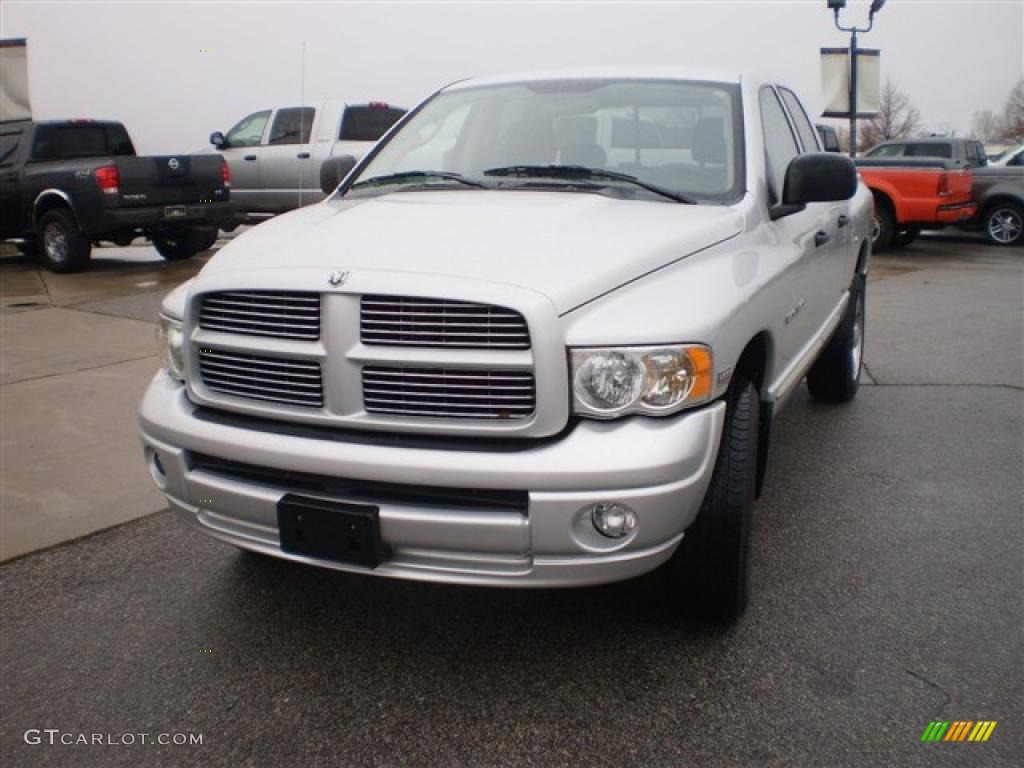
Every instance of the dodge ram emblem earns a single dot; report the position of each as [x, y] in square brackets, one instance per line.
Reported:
[173, 164]
[337, 277]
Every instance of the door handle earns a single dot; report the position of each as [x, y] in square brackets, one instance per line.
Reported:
[303, 155]
[821, 238]
[250, 157]
[843, 220]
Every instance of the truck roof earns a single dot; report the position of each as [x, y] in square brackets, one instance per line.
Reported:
[69, 121]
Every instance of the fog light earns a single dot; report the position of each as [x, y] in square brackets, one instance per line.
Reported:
[156, 469]
[613, 520]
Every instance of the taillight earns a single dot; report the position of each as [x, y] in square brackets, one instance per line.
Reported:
[944, 185]
[225, 172]
[379, 105]
[108, 180]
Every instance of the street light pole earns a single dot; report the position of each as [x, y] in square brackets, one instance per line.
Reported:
[876, 6]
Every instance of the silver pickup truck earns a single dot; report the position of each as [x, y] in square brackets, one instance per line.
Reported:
[275, 154]
[536, 338]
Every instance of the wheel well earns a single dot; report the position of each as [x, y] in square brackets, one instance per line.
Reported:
[752, 366]
[999, 200]
[882, 199]
[48, 203]
[862, 258]
[754, 360]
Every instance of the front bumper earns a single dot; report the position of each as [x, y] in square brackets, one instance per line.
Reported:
[659, 467]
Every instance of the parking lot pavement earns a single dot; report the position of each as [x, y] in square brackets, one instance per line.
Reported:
[76, 352]
[887, 594]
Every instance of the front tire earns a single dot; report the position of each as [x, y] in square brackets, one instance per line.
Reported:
[62, 246]
[835, 375]
[1003, 224]
[709, 574]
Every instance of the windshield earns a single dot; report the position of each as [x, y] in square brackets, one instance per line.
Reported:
[674, 136]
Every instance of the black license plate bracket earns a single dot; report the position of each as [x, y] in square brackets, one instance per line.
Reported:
[330, 530]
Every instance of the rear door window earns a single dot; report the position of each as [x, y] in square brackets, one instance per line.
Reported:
[930, 149]
[292, 125]
[368, 123]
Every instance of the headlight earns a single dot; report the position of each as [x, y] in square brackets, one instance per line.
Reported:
[170, 343]
[612, 382]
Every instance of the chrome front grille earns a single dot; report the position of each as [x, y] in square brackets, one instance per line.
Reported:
[468, 393]
[277, 380]
[279, 314]
[422, 322]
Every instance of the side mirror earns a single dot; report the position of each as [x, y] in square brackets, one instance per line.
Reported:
[334, 170]
[819, 177]
[218, 140]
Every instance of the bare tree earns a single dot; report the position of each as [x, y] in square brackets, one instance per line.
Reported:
[986, 126]
[897, 118]
[1013, 114]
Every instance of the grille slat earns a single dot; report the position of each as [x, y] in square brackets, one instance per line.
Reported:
[279, 314]
[402, 321]
[449, 393]
[292, 382]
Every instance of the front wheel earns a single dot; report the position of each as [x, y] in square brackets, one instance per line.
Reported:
[835, 375]
[709, 574]
[1004, 224]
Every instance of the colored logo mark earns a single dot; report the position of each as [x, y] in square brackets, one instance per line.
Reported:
[958, 730]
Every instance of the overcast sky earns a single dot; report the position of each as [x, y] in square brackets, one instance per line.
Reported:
[173, 72]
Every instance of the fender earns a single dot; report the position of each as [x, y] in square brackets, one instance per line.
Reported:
[886, 188]
[49, 193]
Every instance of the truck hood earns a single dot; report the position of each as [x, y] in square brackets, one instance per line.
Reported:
[570, 247]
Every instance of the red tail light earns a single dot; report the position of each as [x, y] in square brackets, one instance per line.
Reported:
[225, 172]
[379, 105]
[944, 185]
[108, 180]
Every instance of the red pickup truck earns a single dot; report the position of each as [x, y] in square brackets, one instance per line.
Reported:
[912, 194]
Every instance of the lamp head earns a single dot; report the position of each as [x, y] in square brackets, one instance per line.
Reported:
[876, 6]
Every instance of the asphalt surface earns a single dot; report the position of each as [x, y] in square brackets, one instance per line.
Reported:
[887, 593]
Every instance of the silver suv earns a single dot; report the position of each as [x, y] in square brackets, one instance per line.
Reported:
[537, 338]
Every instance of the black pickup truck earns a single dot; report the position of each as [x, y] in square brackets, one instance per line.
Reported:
[65, 185]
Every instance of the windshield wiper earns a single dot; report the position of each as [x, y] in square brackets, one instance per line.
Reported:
[582, 172]
[414, 176]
